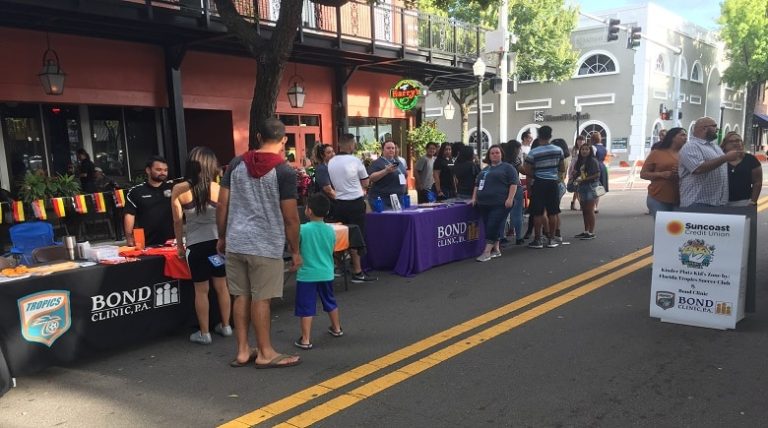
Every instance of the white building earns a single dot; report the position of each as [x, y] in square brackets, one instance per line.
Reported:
[620, 91]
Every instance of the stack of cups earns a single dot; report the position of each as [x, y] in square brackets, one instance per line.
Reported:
[70, 243]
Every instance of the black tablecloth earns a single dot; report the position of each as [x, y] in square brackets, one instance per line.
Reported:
[58, 318]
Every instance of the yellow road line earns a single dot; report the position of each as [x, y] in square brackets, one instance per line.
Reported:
[389, 380]
[302, 397]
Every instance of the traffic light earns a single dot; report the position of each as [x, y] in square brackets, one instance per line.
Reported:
[633, 40]
[613, 29]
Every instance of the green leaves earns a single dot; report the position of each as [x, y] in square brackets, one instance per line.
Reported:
[36, 186]
[744, 29]
[426, 133]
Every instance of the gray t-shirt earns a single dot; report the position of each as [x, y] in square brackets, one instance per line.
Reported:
[424, 172]
[255, 221]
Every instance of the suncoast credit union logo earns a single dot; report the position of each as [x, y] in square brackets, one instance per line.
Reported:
[456, 233]
[675, 228]
[695, 253]
[45, 316]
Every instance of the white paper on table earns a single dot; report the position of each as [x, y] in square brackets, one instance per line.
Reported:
[395, 203]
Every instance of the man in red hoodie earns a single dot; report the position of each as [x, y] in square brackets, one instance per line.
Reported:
[256, 215]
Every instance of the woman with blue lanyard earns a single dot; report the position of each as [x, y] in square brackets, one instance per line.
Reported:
[494, 196]
[387, 176]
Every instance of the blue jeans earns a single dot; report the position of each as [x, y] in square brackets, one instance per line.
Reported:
[494, 218]
[655, 205]
[517, 213]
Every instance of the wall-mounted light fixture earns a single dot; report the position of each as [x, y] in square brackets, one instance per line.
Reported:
[51, 76]
[296, 92]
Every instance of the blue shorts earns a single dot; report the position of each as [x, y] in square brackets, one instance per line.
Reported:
[306, 297]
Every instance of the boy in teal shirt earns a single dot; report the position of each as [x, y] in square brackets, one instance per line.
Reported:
[315, 276]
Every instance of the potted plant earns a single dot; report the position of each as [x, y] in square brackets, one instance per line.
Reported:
[33, 187]
[428, 132]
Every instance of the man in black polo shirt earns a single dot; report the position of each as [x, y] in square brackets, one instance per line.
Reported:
[148, 205]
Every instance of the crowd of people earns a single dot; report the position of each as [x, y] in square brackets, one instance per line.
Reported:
[696, 172]
[234, 233]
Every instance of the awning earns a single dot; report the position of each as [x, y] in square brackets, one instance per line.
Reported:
[761, 119]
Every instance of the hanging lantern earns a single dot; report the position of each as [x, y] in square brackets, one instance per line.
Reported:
[51, 76]
[296, 92]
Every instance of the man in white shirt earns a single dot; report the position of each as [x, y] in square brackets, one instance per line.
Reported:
[349, 177]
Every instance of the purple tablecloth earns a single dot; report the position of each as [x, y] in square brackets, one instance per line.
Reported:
[412, 241]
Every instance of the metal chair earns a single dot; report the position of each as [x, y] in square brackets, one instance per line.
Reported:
[49, 254]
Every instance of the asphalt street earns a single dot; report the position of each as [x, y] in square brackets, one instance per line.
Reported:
[537, 338]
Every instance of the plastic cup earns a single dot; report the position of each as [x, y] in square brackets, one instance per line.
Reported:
[138, 238]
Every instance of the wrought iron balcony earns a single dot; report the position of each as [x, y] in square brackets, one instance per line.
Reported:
[379, 25]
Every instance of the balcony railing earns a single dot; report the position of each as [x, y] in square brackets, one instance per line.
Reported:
[376, 24]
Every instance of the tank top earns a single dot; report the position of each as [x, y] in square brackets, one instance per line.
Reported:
[200, 227]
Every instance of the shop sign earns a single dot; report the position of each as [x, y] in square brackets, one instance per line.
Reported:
[539, 116]
[405, 94]
[699, 269]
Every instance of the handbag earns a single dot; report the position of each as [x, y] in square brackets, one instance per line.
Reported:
[599, 190]
[571, 187]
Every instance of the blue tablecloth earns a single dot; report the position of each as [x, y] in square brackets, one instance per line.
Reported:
[415, 240]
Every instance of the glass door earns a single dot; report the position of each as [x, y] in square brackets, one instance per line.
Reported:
[303, 133]
[63, 127]
[24, 143]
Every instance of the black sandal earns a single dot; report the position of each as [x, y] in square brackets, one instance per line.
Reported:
[300, 345]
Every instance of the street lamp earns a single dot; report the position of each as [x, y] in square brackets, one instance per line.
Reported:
[478, 69]
[720, 128]
[448, 111]
[578, 120]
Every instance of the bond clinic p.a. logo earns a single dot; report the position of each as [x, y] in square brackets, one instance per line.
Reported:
[675, 228]
[45, 316]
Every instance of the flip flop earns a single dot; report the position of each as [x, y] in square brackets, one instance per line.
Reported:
[304, 346]
[234, 363]
[334, 333]
[275, 363]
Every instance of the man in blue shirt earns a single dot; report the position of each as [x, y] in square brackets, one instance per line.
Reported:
[545, 164]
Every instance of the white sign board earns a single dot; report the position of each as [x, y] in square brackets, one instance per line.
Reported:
[700, 269]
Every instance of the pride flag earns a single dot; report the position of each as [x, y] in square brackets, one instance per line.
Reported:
[98, 202]
[38, 207]
[58, 207]
[80, 207]
[18, 211]
[119, 198]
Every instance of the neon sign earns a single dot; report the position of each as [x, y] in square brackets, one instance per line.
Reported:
[405, 94]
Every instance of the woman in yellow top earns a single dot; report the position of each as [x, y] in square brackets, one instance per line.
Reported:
[660, 168]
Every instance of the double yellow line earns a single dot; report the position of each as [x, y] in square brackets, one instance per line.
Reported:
[375, 386]
[590, 281]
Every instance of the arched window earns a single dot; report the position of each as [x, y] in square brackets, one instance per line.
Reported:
[661, 64]
[696, 73]
[736, 128]
[486, 142]
[594, 128]
[690, 128]
[657, 127]
[597, 64]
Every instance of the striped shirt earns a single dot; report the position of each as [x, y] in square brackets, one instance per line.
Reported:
[545, 160]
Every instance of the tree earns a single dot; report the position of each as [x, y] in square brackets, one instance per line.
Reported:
[744, 29]
[271, 54]
[543, 49]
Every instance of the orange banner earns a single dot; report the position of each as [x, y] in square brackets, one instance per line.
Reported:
[58, 207]
[18, 211]
[119, 198]
[98, 202]
[80, 207]
[38, 208]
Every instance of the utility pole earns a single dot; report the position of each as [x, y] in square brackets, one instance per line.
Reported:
[503, 70]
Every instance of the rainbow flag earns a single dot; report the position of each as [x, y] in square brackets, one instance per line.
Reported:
[98, 202]
[119, 198]
[80, 207]
[38, 207]
[58, 207]
[18, 211]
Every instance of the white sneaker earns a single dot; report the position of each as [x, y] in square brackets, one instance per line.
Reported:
[198, 337]
[225, 331]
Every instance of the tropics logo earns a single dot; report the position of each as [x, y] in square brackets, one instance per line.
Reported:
[45, 316]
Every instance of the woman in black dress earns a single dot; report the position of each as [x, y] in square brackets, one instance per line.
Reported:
[86, 171]
[445, 185]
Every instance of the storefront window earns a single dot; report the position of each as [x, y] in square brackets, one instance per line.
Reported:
[371, 132]
[141, 130]
[63, 130]
[24, 145]
[108, 142]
